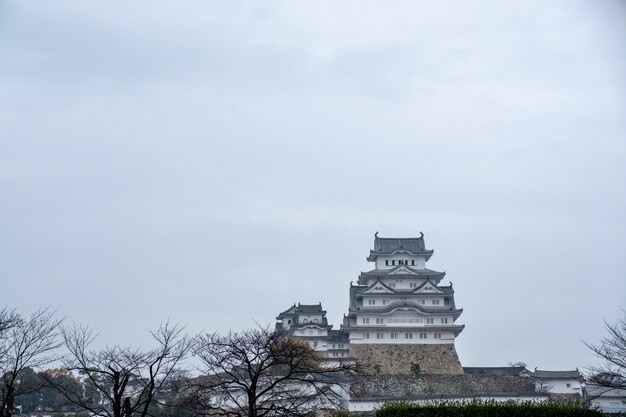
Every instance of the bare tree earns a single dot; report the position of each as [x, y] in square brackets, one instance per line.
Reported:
[26, 343]
[260, 373]
[123, 381]
[612, 351]
[8, 320]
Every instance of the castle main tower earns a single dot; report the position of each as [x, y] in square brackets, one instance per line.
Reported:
[400, 320]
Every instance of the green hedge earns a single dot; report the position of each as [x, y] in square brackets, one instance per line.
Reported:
[485, 409]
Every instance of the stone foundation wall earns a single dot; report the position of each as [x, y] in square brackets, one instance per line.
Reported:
[424, 386]
[390, 359]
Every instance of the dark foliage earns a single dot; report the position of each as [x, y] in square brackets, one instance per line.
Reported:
[486, 409]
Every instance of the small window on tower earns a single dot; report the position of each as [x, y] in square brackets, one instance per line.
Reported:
[393, 263]
[412, 261]
[387, 262]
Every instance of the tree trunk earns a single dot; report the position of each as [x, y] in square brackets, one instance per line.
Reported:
[10, 400]
[128, 411]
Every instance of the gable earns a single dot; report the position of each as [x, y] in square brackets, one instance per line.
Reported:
[428, 288]
[378, 288]
[402, 270]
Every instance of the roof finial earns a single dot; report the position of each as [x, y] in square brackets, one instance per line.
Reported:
[376, 235]
[421, 235]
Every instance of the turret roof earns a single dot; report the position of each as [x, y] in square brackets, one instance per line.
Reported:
[456, 312]
[360, 289]
[387, 246]
[302, 309]
[575, 374]
[413, 271]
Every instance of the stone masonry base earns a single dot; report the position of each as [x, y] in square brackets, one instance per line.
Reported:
[391, 359]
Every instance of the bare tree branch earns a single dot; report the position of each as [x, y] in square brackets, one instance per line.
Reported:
[126, 381]
[24, 343]
[260, 373]
[612, 351]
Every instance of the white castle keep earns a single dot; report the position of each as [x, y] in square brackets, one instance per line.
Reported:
[400, 319]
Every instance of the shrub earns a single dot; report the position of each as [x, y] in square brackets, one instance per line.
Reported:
[479, 408]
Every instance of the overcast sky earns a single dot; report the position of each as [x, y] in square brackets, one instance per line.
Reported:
[212, 163]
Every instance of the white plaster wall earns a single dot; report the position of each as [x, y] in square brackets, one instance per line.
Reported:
[559, 386]
[609, 405]
[310, 318]
[420, 261]
[358, 337]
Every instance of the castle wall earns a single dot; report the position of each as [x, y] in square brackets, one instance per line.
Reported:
[391, 359]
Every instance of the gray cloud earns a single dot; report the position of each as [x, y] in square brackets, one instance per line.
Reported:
[215, 162]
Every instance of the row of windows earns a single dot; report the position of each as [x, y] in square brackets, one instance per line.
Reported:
[400, 262]
[411, 285]
[381, 320]
[370, 302]
[408, 335]
[338, 354]
[313, 333]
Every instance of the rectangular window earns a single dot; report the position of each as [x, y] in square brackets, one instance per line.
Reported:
[423, 301]
[423, 335]
[444, 320]
[387, 262]
[394, 335]
[393, 263]
[413, 262]
[568, 385]
[367, 335]
[380, 321]
[366, 320]
[430, 320]
[437, 335]
[436, 302]
[400, 262]
[379, 335]
[408, 335]
[371, 302]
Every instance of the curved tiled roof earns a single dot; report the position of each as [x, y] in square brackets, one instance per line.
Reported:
[302, 309]
[575, 374]
[387, 246]
[419, 307]
[421, 272]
